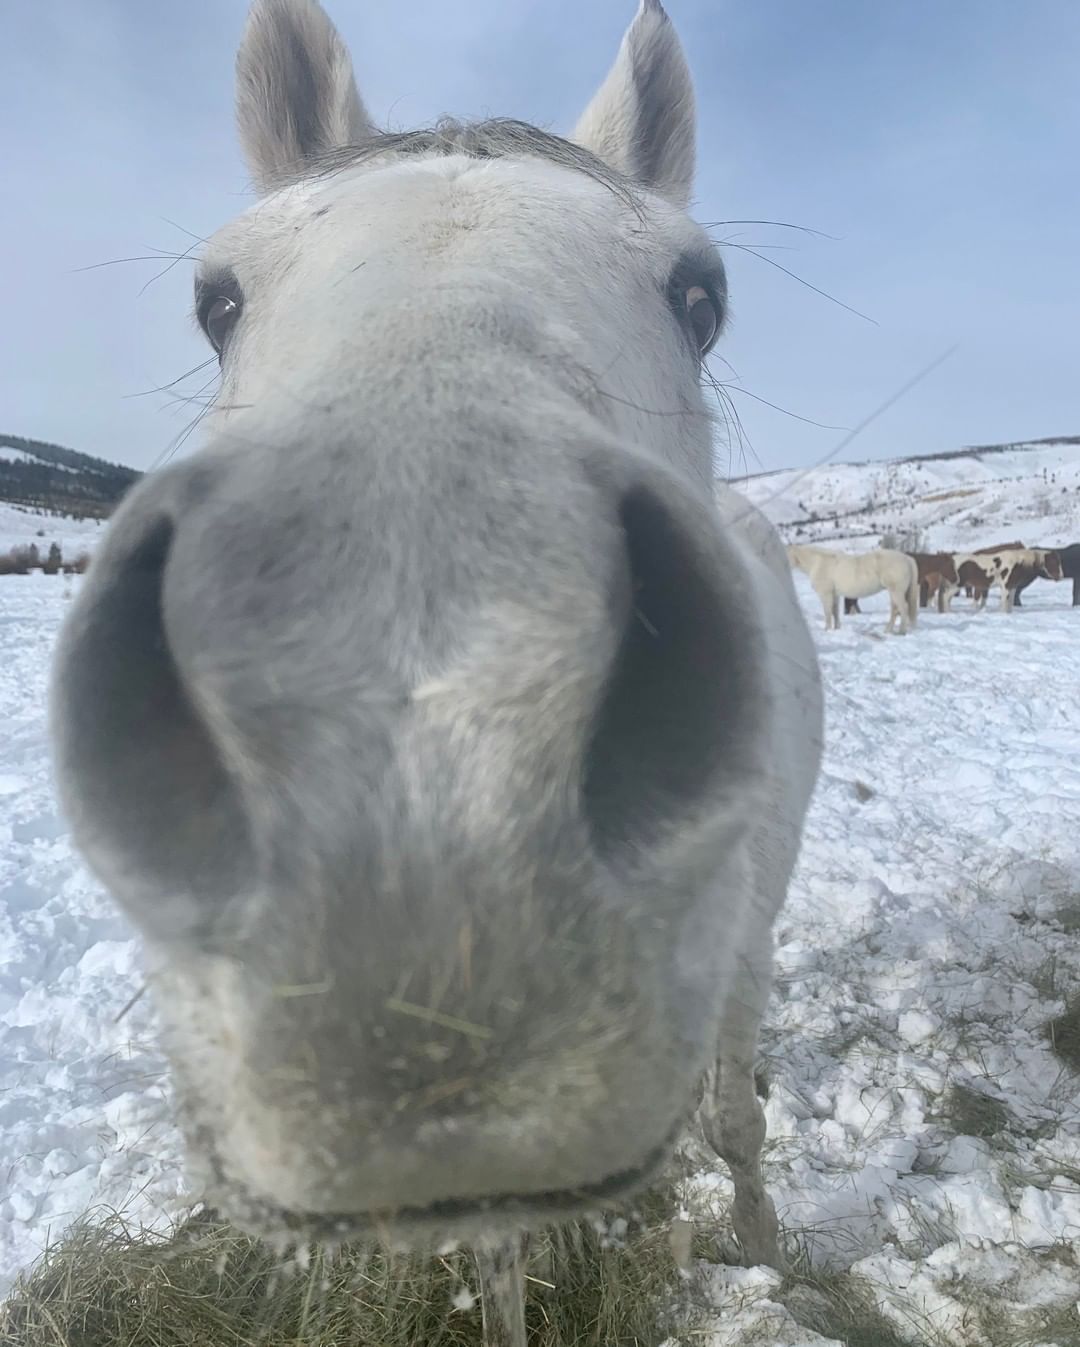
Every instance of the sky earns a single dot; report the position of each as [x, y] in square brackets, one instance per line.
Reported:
[933, 146]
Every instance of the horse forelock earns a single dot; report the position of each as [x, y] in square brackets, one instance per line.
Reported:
[487, 138]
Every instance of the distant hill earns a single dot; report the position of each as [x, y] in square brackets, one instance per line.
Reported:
[50, 479]
[958, 499]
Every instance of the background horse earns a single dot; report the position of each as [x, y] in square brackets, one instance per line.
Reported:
[1047, 566]
[1011, 570]
[445, 735]
[970, 590]
[937, 577]
[1069, 558]
[837, 575]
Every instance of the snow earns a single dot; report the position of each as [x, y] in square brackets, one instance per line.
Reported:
[20, 527]
[26, 456]
[933, 930]
[977, 498]
[19, 456]
[82, 1122]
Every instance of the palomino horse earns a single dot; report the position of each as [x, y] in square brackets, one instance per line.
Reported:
[446, 737]
[836, 575]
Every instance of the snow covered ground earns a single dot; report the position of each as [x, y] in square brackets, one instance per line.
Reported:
[20, 527]
[932, 931]
[80, 1100]
[922, 1130]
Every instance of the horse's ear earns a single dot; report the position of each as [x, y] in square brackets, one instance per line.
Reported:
[641, 119]
[295, 93]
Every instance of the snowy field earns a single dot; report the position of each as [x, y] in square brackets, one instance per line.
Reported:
[922, 1131]
[932, 931]
[19, 527]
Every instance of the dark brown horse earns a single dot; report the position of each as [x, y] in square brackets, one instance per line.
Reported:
[1052, 569]
[1070, 568]
[937, 571]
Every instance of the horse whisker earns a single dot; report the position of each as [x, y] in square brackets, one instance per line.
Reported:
[774, 224]
[795, 416]
[162, 388]
[120, 261]
[746, 248]
[867, 421]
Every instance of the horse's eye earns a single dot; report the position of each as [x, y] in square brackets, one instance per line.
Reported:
[704, 319]
[218, 315]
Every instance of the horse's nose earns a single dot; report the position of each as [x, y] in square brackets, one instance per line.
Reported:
[234, 648]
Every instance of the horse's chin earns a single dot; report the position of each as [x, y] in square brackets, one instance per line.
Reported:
[444, 1222]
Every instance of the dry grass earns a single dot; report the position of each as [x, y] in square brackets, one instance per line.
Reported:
[841, 1305]
[1068, 913]
[1064, 1034]
[971, 1113]
[835, 1305]
[204, 1285]
[106, 1284]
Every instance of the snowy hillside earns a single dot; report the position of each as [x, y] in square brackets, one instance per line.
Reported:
[20, 526]
[951, 501]
[58, 481]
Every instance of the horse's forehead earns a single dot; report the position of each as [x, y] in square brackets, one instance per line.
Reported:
[513, 200]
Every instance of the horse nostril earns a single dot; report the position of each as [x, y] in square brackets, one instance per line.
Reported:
[678, 704]
[139, 775]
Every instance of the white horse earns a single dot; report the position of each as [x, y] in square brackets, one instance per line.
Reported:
[445, 737]
[850, 575]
